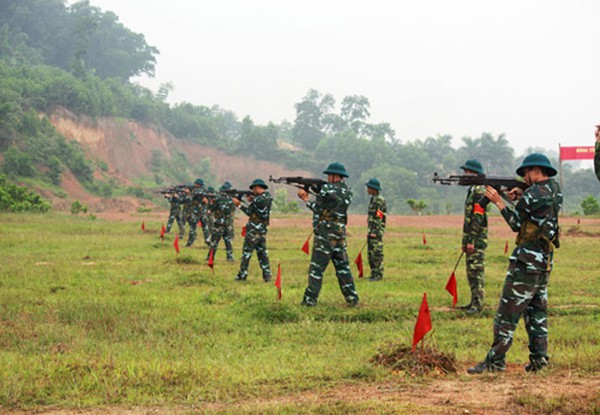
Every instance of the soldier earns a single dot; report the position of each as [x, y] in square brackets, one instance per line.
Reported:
[474, 238]
[196, 200]
[222, 209]
[525, 291]
[376, 227]
[175, 200]
[258, 213]
[597, 153]
[330, 208]
[229, 233]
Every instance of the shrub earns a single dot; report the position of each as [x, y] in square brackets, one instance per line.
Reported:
[15, 198]
[77, 207]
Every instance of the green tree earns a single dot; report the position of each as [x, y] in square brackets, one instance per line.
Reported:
[590, 206]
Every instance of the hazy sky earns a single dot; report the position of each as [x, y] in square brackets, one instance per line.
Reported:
[529, 69]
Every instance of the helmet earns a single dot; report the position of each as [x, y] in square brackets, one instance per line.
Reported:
[259, 182]
[473, 165]
[336, 168]
[373, 183]
[536, 160]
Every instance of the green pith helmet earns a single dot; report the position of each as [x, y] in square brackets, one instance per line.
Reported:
[473, 165]
[226, 186]
[373, 183]
[210, 189]
[336, 168]
[199, 182]
[536, 160]
[259, 182]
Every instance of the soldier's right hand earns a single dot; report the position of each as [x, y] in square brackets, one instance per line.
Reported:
[515, 193]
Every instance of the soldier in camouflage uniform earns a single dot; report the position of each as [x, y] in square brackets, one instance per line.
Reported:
[331, 206]
[196, 199]
[258, 213]
[175, 200]
[597, 153]
[474, 239]
[229, 233]
[525, 291]
[376, 219]
[221, 208]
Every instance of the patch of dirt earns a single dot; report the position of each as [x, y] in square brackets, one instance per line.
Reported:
[511, 392]
[126, 149]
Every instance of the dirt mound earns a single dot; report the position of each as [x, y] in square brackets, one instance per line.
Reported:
[423, 361]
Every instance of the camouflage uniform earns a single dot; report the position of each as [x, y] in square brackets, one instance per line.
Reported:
[229, 233]
[259, 212]
[222, 209]
[376, 227]
[597, 160]
[475, 232]
[206, 221]
[525, 293]
[195, 201]
[175, 213]
[330, 242]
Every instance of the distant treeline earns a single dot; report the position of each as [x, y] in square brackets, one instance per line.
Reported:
[53, 55]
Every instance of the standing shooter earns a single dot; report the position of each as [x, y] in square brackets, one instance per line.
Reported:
[330, 209]
[525, 291]
[258, 213]
[376, 219]
[474, 239]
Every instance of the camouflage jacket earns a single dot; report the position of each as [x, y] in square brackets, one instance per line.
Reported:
[597, 160]
[330, 207]
[259, 212]
[377, 216]
[222, 208]
[475, 224]
[535, 217]
[195, 197]
[175, 202]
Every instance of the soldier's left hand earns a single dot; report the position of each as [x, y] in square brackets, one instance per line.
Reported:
[470, 248]
[492, 194]
[303, 194]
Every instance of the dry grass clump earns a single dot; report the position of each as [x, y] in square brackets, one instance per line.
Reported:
[425, 360]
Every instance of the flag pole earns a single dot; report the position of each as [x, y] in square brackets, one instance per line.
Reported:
[457, 262]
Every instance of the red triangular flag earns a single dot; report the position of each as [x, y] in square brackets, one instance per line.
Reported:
[199, 223]
[211, 260]
[379, 214]
[176, 243]
[243, 231]
[506, 248]
[305, 247]
[278, 282]
[451, 288]
[359, 264]
[162, 232]
[423, 325]
[424, 240]
[143, 227]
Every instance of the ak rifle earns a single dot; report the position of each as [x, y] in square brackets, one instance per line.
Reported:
[310, 185]
[238, 194]
[502, 184]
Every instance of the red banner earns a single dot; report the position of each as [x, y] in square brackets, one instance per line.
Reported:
[577, 153]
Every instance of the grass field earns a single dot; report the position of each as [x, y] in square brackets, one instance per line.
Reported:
[98, 314]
